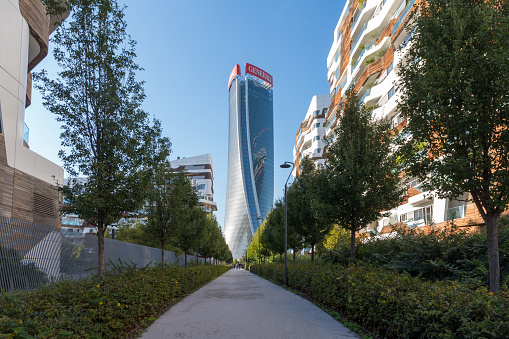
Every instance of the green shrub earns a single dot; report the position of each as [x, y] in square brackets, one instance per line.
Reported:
[445, 254]
[100, 308]
[369, 61]
[395, 305]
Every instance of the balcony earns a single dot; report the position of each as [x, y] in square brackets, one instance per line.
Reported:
[368, 92]
[359, 14]
[402, 16]
[354, 45]
[366, 48]
[26, 134]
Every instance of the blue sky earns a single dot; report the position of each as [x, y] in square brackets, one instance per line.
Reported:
[187, 50]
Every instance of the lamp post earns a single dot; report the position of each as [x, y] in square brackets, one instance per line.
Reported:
[259, 254]
[286, 164]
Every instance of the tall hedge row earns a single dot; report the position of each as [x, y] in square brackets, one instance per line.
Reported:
[395, 305]
[110, 307]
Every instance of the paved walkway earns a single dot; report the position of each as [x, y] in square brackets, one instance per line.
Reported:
[240, 304]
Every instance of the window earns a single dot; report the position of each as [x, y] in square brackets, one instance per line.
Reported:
[315, 113]
[317, 125]
[201, 187]
[317, 137]
[318, 150]
[390, 68]
[391, 93]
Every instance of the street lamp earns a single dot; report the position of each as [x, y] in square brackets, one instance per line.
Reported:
[259, 254]
[286, 164]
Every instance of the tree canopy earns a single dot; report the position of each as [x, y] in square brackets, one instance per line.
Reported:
[455, 95]
[360, 173]
[106, 134]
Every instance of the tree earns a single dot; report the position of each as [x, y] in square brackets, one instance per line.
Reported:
[191, 220]
[309, 227]
[258, 247]
[273, 234]
[360, 179]
[98, 101]
[455, 96]
[168, 205]
[133, 231]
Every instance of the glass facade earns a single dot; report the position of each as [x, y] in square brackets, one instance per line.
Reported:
[250, 184]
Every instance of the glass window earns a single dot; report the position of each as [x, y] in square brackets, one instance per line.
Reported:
[317, 125]
[391, 93]
[318, 150]
[317, 137]
[390, 68]
[201, 187]
[316, 113]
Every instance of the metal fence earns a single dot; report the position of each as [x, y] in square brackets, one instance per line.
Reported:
[33, 254]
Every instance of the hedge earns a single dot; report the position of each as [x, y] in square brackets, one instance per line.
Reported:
[395, 305]
[111, 307]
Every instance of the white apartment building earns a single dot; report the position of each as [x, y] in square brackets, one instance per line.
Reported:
[369, 42]
[199, 170]
[309, 140]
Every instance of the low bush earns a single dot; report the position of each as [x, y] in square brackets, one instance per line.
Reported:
[395, 305]
[444, 254]
[111, 307]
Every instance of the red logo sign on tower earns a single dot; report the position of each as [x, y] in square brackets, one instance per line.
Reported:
[258, 72]
[233, 74]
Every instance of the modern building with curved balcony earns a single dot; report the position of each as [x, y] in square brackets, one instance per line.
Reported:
[27, 185]
[370, 40]
[309, 140]
[199, 170]
[250, 182]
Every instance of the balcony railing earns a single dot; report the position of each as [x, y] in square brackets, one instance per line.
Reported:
[456, 212]
[368, 92]
[402, 16]
[359, 14]
[26, 134]
[358, 38]
[366, 48]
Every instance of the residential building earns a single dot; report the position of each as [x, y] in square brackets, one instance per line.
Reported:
[199, 170]
[309, 140]
[27, 185]
[370, 40]
[250, 182]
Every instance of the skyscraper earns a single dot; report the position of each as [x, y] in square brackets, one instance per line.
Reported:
[250, 183]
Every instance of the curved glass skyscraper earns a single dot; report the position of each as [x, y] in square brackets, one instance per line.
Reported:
[250, 185]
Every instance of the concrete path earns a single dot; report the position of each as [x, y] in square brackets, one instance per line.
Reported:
[240, 304]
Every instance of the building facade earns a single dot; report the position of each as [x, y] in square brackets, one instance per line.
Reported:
[250, 182]
[370, 41]
[309, 140]
[199, 170]
[27, 185]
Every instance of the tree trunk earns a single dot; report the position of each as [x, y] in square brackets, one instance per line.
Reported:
[352, 243]
[312, 252]
[100, 244]
[294, 256]
[493, 255]
[280, 257]
[197, 257]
